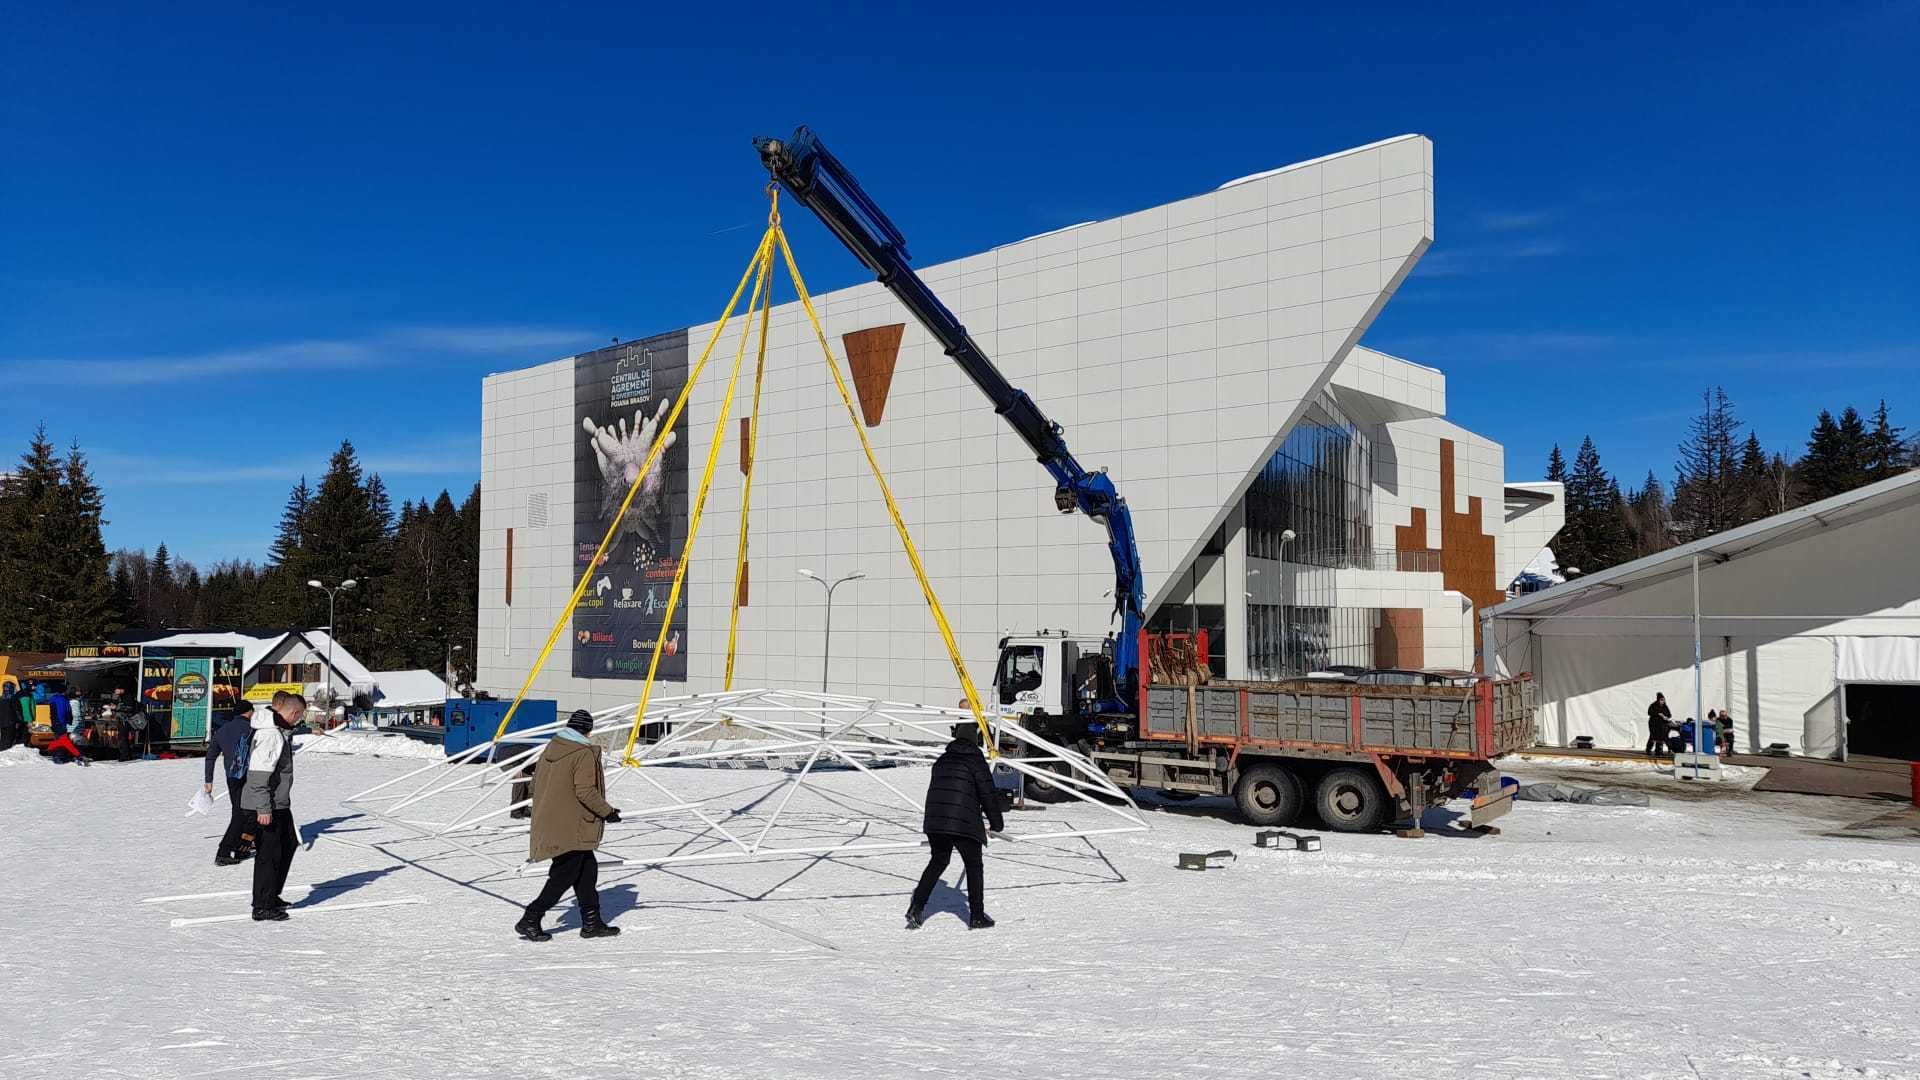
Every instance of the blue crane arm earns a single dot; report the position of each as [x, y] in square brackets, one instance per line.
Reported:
[811, 174]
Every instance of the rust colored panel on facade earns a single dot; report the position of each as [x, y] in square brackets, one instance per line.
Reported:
[872, 353]
[509, 567]
[744, 575]
[1411, 540]
[1467, 562]
[1400, 640]
[746, 437]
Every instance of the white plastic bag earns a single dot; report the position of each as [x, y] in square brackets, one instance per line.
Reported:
[200, 803]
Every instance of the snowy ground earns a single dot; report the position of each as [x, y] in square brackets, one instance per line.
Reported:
[1563, 948]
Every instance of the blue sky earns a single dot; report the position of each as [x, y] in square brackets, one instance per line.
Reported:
[231, 237]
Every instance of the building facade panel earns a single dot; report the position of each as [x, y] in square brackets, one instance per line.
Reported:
[1181, 347]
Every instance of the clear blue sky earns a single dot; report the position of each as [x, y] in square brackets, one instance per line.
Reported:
[230, 237]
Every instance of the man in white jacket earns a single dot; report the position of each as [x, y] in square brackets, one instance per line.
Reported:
[268, 793]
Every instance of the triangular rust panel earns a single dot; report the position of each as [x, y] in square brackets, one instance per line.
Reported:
[871, 354]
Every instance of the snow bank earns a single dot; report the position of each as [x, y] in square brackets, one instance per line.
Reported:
[1733, 774]
[22, 755]
[369, 743]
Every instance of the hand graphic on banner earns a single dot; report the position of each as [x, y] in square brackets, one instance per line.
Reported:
[620, 449]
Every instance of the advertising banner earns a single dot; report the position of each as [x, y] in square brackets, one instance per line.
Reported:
[621, 395]
[192, 697]
[180, 691]
[261, 693]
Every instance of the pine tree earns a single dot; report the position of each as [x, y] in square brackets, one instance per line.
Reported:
[1884, 452]
[282, 597]
[1556, 466]
[1836, 457]
[55, 589]
[347, 539]
[123, 603]
[86, 611]
[291, 541]
[1648, 517]
[160, 589]
[466, 617]
[1596, 534]
[1708, 495]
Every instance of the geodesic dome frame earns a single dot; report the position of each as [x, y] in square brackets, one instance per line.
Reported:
[465, 804]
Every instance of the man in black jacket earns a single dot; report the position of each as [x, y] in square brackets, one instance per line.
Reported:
[960, 792]
[229, 746]
[1659, 722]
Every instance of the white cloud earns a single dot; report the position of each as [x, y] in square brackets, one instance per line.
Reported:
[446, 456]
[1514, 220]
[403, 345]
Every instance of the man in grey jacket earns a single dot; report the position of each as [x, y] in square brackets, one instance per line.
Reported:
[268, 794]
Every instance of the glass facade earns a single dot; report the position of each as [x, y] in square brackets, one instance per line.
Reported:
[1320, 485]
[1287, 641]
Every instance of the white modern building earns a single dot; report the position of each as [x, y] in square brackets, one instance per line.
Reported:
[1302, 497]
[1808, 631]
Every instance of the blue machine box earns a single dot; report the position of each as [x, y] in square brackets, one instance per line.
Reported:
[470, 722]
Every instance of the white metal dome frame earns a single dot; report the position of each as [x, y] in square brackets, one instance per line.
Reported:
[463, 805]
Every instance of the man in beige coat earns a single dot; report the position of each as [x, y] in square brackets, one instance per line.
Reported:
[570, 812]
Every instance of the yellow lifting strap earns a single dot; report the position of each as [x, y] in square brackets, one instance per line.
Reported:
[752, 452]
[762, 285]
[762, 255]
[886, 492]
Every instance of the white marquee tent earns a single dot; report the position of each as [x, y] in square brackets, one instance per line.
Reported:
[1807, 624]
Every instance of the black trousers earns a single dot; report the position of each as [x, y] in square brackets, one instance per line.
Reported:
[943, 848]
[1657, 736]
[274, 857]
[576, 870]
[240, 825]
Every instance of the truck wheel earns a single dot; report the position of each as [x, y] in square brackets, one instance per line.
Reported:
[1041, 792]
[1268, 795]
[1350, 800]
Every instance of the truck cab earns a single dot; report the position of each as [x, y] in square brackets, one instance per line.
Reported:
[1062, 683]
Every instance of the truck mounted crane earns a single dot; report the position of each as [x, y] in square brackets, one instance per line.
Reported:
[1357, 757]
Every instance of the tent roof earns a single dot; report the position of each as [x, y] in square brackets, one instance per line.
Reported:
[408, 689]
[1780, 529]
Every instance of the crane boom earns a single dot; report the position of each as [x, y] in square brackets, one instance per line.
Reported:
[811, 174]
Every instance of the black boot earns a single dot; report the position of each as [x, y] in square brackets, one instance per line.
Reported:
[529, 927]
[915, 920]
[269, 914]
[980, 921]
[223, 859]
[591, 925]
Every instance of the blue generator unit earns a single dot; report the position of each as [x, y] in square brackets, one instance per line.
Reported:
[470, 722]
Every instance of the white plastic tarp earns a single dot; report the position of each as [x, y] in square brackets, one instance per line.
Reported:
[1820, 727]
[1877, 659]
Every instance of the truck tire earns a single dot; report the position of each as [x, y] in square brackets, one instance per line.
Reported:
[1268, 795]
[1351, 800]
[1040, 792]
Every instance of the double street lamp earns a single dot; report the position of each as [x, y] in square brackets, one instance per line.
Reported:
[332, 592]
[826, 649]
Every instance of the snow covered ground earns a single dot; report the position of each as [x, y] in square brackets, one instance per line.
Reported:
[1717, 934]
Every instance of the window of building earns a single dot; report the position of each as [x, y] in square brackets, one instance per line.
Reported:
[1320, 485]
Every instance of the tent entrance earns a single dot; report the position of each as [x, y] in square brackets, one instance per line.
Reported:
[1883, 720]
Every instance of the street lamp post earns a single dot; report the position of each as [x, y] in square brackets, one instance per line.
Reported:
[1286, 609]
[333, 696]
[826, 648]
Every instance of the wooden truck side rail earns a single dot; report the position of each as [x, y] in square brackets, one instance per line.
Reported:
[1475, 723]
